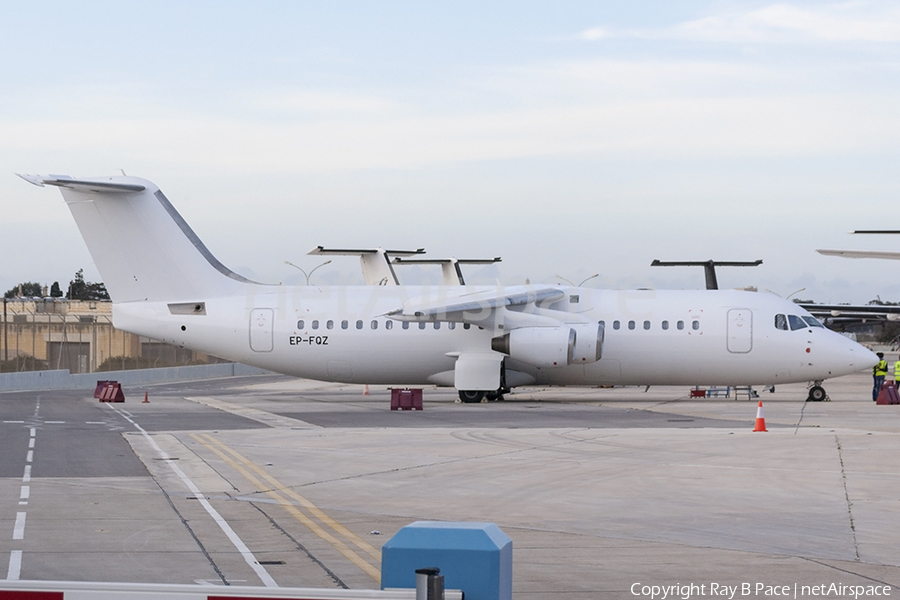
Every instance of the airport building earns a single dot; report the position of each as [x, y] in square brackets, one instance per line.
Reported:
[78, 335]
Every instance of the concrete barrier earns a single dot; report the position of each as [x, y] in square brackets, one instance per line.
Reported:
[63, 380]
[83, 590]
[473, 557]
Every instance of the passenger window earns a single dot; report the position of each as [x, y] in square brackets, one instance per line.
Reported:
[630, 324]
[359, 324]
[422, 325]
[405, 324]
[796, 322]
[665, 325]
[388, 324]
[329, 324]
[374, 324]
[451, 325]
[781, 322]
[437, 325]
[315, 324]
[301, 324]
[647, 325]
[466, 325]
[813, 322]
[616, 324]
[344, 324]
[680, 325]
[695, 325]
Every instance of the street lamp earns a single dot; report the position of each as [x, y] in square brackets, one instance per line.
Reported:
[582, 281]
[287, 262]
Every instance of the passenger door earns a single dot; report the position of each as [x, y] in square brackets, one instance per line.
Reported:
[740, 330]
[261, 339]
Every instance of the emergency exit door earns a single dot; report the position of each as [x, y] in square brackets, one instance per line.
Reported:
[261, 329]
[740, 330]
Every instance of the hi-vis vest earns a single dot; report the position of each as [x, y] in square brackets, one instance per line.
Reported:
[897, 370]
[881, 368]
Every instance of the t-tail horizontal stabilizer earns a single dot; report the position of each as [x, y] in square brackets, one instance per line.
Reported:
[142, 247]
[375, 262]
[450, 270]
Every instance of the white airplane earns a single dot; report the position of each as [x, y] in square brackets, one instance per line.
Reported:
[865, 253]
[856, 312]
[165, 284]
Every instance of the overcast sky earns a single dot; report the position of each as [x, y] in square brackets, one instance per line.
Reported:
[569, 138]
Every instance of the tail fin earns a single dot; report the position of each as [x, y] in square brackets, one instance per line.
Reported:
[142, 247]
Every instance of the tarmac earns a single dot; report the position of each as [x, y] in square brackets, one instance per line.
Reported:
[606, 493]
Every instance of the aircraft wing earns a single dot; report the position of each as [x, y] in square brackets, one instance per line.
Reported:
[478, 304]
[851, 308]
[853, 312]
[861, 254]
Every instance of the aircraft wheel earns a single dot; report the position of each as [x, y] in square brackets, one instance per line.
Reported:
[494, 396]
[816, 394]
[471, 396]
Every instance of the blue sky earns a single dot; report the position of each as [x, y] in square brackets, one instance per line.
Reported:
[573, 139]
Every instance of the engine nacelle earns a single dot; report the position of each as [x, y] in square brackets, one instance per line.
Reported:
[538, 346]
[588, 342]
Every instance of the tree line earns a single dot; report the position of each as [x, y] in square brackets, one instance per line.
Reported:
[78, 289]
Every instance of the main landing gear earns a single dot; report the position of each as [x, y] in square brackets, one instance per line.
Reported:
[817, 392]
[476, 396]
[471, 396]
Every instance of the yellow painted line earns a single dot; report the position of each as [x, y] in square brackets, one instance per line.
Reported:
[305, 503]
[220, 449]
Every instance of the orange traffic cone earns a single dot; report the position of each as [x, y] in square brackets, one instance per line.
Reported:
[760, 419]
[366, 390]
[146, 399]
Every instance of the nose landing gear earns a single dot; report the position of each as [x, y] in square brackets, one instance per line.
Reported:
[817, 393]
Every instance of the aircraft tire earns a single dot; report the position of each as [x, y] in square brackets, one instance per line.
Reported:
[471, 396]
[816, 394]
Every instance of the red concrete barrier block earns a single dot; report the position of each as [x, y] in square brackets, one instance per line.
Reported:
[406, 399]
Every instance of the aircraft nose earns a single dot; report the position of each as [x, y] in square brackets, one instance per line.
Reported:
[846, 356]
[862, 357]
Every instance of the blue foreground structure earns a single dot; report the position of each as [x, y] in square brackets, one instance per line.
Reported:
[473, 557]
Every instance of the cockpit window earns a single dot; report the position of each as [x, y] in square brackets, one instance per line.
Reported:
[781, 322]
[813, 322]
[796, 322]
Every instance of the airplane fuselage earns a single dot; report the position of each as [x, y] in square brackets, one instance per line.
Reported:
[650, 337]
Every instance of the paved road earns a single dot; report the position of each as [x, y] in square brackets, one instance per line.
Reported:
[599, 489]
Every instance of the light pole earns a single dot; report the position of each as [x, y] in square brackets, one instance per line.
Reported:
[287, 262]
[788, 297]
[582, 281]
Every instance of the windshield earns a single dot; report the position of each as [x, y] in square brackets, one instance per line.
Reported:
[813, 322]
[796, 322]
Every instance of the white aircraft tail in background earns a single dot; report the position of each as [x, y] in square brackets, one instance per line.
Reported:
[165, 284]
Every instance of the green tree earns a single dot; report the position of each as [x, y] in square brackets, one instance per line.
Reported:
[55, 291]
[79, 289]
[26, 289]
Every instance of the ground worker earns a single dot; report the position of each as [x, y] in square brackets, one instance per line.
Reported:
[897, 373]
[879, 372]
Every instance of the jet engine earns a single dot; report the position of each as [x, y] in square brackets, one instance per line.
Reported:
[588, 342]
[538, 346]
